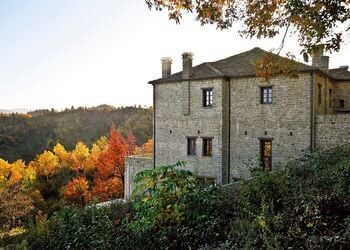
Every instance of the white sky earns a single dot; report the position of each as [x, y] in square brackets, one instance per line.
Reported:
[60, 53]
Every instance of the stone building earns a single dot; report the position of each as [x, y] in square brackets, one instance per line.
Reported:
[223, 120]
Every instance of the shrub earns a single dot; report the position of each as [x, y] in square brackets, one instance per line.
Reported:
[169, 195]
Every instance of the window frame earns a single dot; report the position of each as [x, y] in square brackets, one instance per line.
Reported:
[265, 167]
[191, 148]
[207, 149]
[319, 93]
[330, 97]
[269, 95]
[207, 97]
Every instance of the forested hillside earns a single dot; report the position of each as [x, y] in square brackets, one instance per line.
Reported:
[25, 136]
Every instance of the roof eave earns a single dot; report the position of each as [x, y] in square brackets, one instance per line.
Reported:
[159, 81]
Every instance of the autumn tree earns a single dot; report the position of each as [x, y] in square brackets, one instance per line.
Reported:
[45, 164]
[109, 176]
[146, 149]
[63, 156]
[315, 22]
[77, 191]
[97, 149]
[16, 174]
[80, 158]
[15, 206]
[16, 182]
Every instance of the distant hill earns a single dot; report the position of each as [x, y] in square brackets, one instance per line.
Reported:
[10, 111]
[23, 137]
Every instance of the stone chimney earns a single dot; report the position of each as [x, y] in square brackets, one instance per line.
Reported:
[166, 67]
[320, 61]
[187, 64]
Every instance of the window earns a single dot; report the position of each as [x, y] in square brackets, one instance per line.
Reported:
[319, 94]
[206, 180]
[208, 97]
[207, 146]
[266, 154]
[191, 146]
[330, 98]
[266, 95]
[341, 104]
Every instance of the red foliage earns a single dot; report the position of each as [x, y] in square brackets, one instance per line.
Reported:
[107, 189]
[109, 176]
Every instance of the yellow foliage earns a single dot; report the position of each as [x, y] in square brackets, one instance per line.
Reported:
[45, 164]
[62, 155]
[94, 157]
[102, 143]
[5, 168]
[16, 173]
[80, 157]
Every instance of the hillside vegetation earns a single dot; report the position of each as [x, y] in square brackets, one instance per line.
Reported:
[298, 208]
[25, 136]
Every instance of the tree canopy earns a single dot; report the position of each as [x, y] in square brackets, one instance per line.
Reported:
[316, 23]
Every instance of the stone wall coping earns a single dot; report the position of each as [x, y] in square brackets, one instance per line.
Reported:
[139, 157]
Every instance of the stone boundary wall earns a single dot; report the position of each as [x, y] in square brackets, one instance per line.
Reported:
[133, 165]
[332, 130]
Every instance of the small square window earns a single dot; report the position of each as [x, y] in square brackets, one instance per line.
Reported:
[341, 104]
[208, 97]
[266, 95]
[207, 147]
[191, 146]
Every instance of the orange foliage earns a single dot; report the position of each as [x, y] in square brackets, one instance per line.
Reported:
[146, 149]
[77, 191]
[107, 189]
[109, 176]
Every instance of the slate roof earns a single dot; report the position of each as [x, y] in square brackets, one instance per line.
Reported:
[340, 74]
[241, 65]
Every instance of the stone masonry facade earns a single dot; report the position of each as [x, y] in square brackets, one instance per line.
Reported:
[285, 121]
[247, 116]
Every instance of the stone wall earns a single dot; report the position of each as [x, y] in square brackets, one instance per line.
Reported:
[133, 165]
[174, 124]
[322, 99]
[332, 130]
[342, 92]
[252, 121]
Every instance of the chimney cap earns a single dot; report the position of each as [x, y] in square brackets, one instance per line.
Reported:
[166, 59]
[346, 67]
[187, 55]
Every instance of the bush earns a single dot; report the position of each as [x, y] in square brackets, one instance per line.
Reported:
[169, 195]
[297, 208]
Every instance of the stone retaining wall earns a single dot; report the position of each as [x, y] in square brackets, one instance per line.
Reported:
[332, 130]
[133, 165]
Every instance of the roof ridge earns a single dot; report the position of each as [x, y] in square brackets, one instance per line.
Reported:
[213, 68]
[242, 53]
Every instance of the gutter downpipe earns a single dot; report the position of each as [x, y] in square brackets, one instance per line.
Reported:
[229, 132]
[312, 121]
[154, 126]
